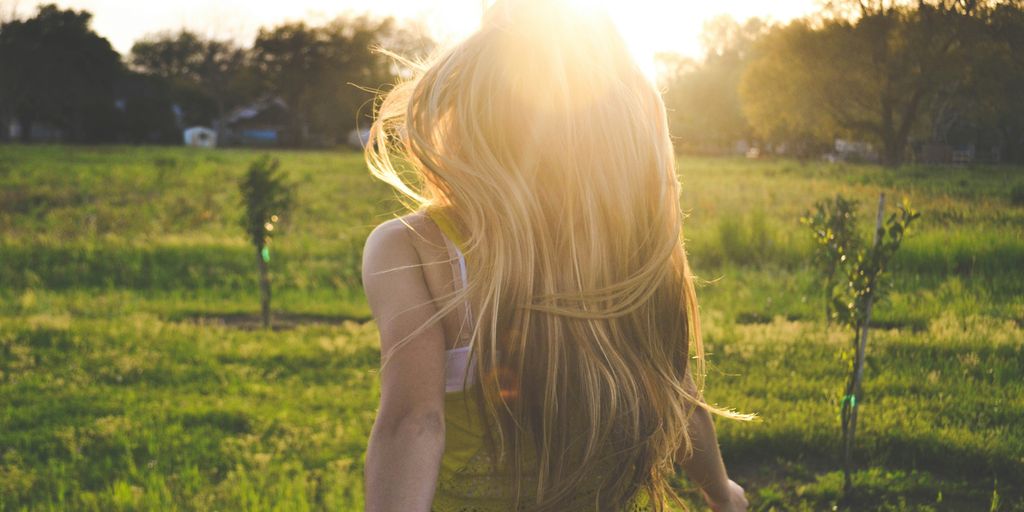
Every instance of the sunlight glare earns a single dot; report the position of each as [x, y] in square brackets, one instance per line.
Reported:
[631, 21]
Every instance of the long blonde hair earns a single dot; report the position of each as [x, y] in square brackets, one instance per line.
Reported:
[549, 149]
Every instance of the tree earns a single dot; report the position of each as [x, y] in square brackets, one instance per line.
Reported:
[995, 103]
[208, 75]
[779, 92]
[291, 60]
[327, 74]
[851, 295]
[57, 70]
[870, 78]
[703, 99]
[266, 198]
[148, 115]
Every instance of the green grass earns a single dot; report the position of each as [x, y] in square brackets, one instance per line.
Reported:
[128, 383]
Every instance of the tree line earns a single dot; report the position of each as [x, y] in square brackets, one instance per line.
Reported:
[912, 79]
[55, 71]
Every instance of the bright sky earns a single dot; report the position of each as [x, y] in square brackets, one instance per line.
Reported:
[648, 25]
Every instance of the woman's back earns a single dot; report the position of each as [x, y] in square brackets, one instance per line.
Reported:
[543, 152]
[467, 480]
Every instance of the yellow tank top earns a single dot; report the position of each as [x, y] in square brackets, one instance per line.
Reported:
[467, 481]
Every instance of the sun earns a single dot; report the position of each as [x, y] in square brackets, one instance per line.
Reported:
[632, 19]
[634, 25]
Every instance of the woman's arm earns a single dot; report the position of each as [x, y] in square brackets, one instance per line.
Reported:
[705, 466]
[407, 440]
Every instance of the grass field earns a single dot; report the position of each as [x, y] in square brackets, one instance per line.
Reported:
[131, 377]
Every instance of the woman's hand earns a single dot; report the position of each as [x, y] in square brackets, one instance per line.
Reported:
[703, 463]
[735, 500]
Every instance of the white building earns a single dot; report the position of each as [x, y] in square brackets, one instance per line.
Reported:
[200, 137]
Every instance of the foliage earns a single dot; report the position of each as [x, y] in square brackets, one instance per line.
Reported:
[779, 96]
[60, 73]
[148, 114]
[320, 72]
[868, 79]
[901, 76]
[834, 225]
[57, 70]
[207, 76]
[851, 299]
[266, 197]
[703, 100]
[906, 77]
[861, 265]
[1000, 78]
[840, 248]
[326, 73]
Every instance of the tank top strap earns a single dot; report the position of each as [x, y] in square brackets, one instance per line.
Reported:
[447, 226]
[453, 241]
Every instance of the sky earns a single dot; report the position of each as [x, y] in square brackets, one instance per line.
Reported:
[648, 26]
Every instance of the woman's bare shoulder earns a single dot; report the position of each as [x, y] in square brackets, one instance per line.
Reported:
[401, 240]
[393, 268]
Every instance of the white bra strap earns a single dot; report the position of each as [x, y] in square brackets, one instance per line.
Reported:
[454, 249]
[462, 267]
[463, 278]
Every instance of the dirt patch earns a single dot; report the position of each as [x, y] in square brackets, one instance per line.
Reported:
[914, 325]
[278, 322]
[755, 318]
[751, 318]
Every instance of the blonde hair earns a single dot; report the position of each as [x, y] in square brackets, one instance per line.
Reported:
[549, 149]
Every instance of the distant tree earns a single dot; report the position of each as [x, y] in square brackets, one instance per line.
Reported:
[994, 102]
[724, 35]
[870, 78]
[324, 72]
[147, 115]
[291, 60]
[703, 100]
[266, 199]
[57, 70]
[779, 89]
[208, 76]
[8, 13]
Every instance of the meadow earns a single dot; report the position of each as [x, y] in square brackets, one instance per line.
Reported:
[132, 376]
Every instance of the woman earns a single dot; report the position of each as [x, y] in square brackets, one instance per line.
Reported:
[536, 311]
